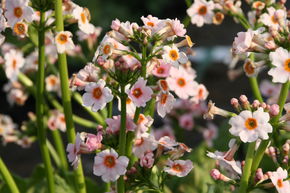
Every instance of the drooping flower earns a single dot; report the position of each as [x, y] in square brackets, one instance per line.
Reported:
[109, 165]
[14, 61]
[201, 12]
[250, 126]
[178, 168]
[144, 143]
[97, 95]
[277, 178]
[280, 58]
[82, 15]
[140, 94]
[173, 56]
[165, 102]
[182, 83]
[64, 41]
[147, 160]
[74, 151]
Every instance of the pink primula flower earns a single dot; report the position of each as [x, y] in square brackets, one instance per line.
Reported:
[178, 168]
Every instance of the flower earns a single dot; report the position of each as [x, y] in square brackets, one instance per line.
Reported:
[151, 22]
[52, 83]
[178, 168]
[97, 95]
[82, 15]
[274, 18]
[143, 143]
[182, 83]
[165, 102]
[143, 123]
[147, 160]
[202, 94]
[17, 10]
[277, 179]
[20, 29]
[130, 106]
[186, 121]
[173, 56]
[57, 121]
[7, 126]
[161, 69]
[280, 58]
[13, 62]
[114, 124]
[3, 24]
[94, 142]
[64, 41]
[201, 12]
[243, 42]
[250, 126]
[140, 93]
[109, 165]
[74, 151]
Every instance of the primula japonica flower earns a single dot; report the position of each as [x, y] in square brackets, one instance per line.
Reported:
[130, 106]
[173, 56]
[7, 126]
[114, 124]
[165, 102]
[97, 95]
[201, 12]
[182, 83]
[20, 29]
[186, 121]
[202, 94]
[147, 160]
[140, 94]
[178, 168]
[143, 123]
[14, 61]
[52, 83]
[250, 126]
[57, 121]
[3, 24]
[94, 142]
[82, 15]
[74, 151]
[144, 143]
[18, 10]
[281, 61]
[63, 41]
[161, 69]
[277, 179]
[109, 165]
[274, 18]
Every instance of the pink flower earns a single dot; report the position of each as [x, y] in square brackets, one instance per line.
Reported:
[243, 42]
[165, 131]
[114, 124]
[116, 25]
[161, 69]
[143, 123]
[186, 121]
[177, 28]
[182, 83]
[147, 160]
[210, 134]
[178, 168]
[167, 142]
[165, 103]
[140, 93]
[94, 142]
[74, 151]
[202, 94]
[109, 165]
[277, 179]
[57, 121]
[151, 22]
[144, 143]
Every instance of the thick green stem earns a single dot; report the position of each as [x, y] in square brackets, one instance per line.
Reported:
[66, 100]
[247, 168]
[8, 177]
[255, 88]
[122, 135]
[40, 105]
[60, 149]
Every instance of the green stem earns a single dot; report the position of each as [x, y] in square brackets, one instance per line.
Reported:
[122, 136]
[255, 88]
[60, 149]
[8, 177]
[53, 154]
[40, 105]
[66, 100]
[247, 168]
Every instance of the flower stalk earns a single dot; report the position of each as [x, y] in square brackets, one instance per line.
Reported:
[8, 177]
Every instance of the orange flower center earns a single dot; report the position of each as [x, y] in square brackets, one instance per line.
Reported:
[109, 161]
[18, 12]
[177, 168]
[181, 82]
[139, 142]
[280, 183]
[163, 99]
[137, 92]
[160, 70]
[151, 24]
[52, 81]
[287, 65]
[200, 93]
[14, 64]
[97, 93]
[83, 17]
[251, 124]
[19, 28]
[173, 54]
[107, 49]
[274, 19]
[202, 10]
[249, 69]
[62, 119]
[62, 39]
[141, 119]
[128, 101]
[164, 84]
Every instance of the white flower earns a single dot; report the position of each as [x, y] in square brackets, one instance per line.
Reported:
[17, 10]
[201, 12]
[165, 102]
[281, 60]
[251, 126]
[277, 179]
[130, 106]
[97, 95]
[13, 62]
[82, 15]
[173, 56]
[64, 42]
[178, 168]
[144, 143]
[52, 83]
[108, 165]
[3, 23]
[7, 127]
[273, 18]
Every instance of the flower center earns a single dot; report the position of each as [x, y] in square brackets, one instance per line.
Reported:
[18, 12]
[139, 142]
[160, 70]
[177, 168]
[251, 124]
[181, 82]
[110, 161]
[137, 92]
[14, 64]
[52, 81]
[62, 119]
[173, 54]
[19, 28]
[128, 101]
[200, 93]
[83, 17]
[280, 183]
[1, 130]
[164, 85]
[62, 38]
[107, 49]
[97, 93]
[202, 10]
[287, 65]
[163, 98]
[249, 69]
[274, 19]
[151, 24]
[141, 119]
